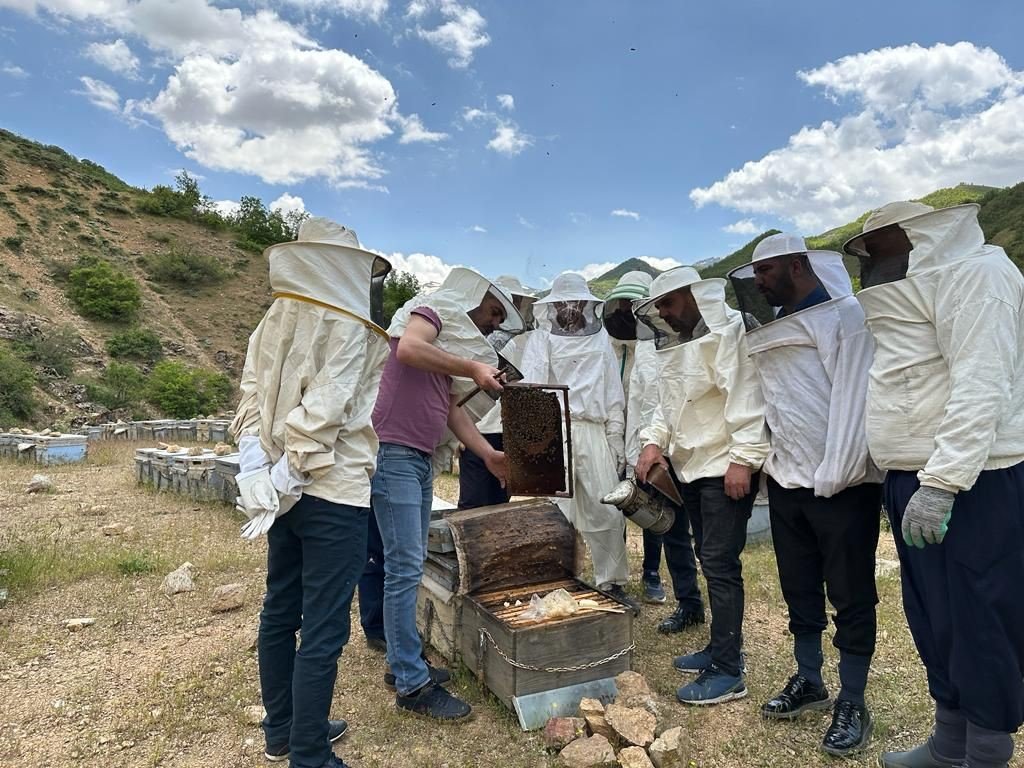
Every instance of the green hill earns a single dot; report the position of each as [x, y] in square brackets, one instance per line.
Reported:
[602, 285]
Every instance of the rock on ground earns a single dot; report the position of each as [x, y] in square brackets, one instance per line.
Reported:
[634, 757]
[228, 597]
[559, 732]
[74, 625]
[589, 752]
[885, 568]
[254, 715]
[665, 749]
[179, 580]
[633, 691]
[633, 725]
[39, 484]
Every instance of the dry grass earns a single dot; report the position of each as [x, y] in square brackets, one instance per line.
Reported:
[165, 682]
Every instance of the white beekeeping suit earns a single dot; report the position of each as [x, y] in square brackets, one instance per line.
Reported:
[813, 367]
[461, 292]
[310, 376]
[570, 346]
[633, 346]
[710, 410]
[946, 390]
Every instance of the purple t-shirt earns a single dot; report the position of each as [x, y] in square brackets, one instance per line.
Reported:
[412, 405]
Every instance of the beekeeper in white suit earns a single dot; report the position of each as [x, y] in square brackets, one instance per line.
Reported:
[945, 417]
[307, 455]
[571, 347]
[637, 362]
[440, 353]
[710, 424]
[812, 349]
[477, 486]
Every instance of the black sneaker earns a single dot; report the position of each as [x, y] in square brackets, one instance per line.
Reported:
[378, 644]
[800, 695]
[654, 592]
[681, 618]
[335, 762]
[850, 729]
[438, 676]
[278, 753]
[618, 592]
[434, 701]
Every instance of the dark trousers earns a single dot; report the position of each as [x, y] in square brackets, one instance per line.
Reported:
[371, 585]
[477, 486]
[963, 597]
[720, 530]
[828, 544]
[682, 565]
[652, 552]
[314, 559]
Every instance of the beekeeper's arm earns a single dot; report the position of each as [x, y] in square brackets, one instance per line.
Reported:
[643, 398]
[736, 377]
[977, 327]
[847, 361]
[461, 424]
[417, 348]
[615, 412]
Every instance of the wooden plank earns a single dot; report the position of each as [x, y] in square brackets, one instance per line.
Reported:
[439, 537]
[507, 546]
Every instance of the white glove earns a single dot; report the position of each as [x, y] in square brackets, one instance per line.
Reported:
[251, 455]
[617, 445]
[258, 500]
[287, 481]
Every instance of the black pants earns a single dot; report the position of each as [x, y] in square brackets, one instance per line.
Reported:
[477, 486]
[828, 543]
[963, 597]
[652, 552]
[682, 565]
[371, 584]
[720, 530]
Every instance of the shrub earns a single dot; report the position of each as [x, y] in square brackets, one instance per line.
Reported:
[185, 267]
[54, 351]
[14, 242]
[16, 382]
[138, 343]
[121, 385]
[184, 392]
[399, 287]
[100, 291]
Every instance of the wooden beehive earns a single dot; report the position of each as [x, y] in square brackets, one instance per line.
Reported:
[507, 553]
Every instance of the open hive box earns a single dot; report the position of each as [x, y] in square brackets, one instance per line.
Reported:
[507, 553]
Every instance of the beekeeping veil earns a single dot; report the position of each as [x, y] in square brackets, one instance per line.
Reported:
[822, 269]
[617, 313]
[570, 309]
[706, 312]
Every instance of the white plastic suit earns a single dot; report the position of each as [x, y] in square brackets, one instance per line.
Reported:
[710, 410]
[946, 389]
[310, 377]
[571, 347]
[813, 368]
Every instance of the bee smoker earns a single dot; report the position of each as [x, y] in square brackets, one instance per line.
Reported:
[648, 504]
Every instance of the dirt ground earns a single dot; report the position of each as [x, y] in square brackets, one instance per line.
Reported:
[160, 681]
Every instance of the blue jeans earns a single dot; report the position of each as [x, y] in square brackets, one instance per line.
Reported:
[403, 491]
[316, 553]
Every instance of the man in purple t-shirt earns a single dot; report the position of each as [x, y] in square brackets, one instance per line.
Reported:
[414, 405]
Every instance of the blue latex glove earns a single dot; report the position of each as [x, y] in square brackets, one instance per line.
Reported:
[926, 517]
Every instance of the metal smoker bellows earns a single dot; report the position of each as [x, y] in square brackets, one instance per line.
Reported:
[644, 507]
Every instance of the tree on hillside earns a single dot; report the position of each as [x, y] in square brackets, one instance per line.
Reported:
[399, 287]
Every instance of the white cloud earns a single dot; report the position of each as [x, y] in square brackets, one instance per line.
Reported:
[283, 114]
[370, 10]
[414, 131]
[578, 218]
[743, 227]
[525, 222]
[625, 214]
[920, 119]
[226, 208]
[478, 228]
[13, 70]
[429, 270]
[472, 114]
[115, 56]
[461, 33]
[100, 94]
[506, 102]
[661, 263]
[288, 203]
[508, 140]
[590, 271]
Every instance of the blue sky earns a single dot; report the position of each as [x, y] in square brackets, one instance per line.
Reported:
[530, 137]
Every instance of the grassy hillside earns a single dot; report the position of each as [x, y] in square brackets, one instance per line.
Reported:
[602, 286]
[87, 261]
